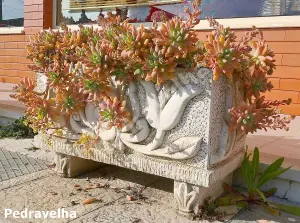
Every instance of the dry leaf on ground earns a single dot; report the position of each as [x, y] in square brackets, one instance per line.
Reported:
[90, 200]
[129, 198]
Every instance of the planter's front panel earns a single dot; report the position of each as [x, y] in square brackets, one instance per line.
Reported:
[192, 120]
[195, 118]
[170, 121]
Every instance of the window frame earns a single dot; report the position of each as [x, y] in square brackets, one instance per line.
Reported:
[234, 23]
[14, 30]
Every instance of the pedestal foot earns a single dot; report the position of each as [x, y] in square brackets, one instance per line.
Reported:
[189, 198]
[71, 166]
[186, 198]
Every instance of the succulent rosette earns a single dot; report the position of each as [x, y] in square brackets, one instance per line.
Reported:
[70, 100]
[113, 113]
[258, 83]
[262, 56]
[222, 55]
[258, 115]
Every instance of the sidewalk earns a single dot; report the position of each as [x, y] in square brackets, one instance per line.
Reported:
[44, 190]
[41, 189]
[274, 144]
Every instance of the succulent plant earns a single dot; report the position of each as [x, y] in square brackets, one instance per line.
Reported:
[99, 61]
[177, 38]
[257, 83]
[258, 115]
[262, 56]
[42, 49]
[158, 67]
[86, 141]
[112, 113]
[24, 90]
[221, 52]
[97, 65]
[70, 100]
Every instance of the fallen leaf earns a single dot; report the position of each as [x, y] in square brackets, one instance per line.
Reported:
[129, 198]
[76, 185]
[53, 193]
[93, 186]
[90, 200]
[270, 209]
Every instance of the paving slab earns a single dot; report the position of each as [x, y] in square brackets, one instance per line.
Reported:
[258, 215]
[274, 144]
[13, 164]
[24, 147]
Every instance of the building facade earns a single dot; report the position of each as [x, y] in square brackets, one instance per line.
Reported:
[279, 20]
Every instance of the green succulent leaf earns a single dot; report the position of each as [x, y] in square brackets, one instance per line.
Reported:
[230, 199]
[255, 163]
[294, 210]
[261, 194]
[242, 204]
[247, 172]
[273, 167]
[269, 176]
[270, 192]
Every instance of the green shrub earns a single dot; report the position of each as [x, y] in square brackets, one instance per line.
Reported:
[254, 181]
[17, 129]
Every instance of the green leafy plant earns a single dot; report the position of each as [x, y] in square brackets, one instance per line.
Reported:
[208, 211]
[254, 181]
[17, 129]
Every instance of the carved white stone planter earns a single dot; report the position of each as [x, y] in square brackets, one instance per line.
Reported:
[178, 131]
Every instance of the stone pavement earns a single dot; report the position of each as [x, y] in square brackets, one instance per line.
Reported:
[41, 189]
[274, 144]
[47, 191]
[25, 147]
[13, 164]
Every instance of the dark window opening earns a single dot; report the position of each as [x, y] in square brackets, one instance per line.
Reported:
[211, 8]
[11, 13]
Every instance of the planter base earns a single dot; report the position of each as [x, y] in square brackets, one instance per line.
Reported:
[188, 198]
[191, 184]
[71, 166]
[200, 176]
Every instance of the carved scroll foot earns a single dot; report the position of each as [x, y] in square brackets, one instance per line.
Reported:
[186, 198]
[71, 166]
[189, 198]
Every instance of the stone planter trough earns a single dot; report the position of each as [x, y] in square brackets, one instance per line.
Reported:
[178, 131]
